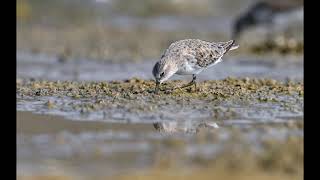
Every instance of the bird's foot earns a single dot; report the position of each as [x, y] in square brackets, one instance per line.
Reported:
[191, 84]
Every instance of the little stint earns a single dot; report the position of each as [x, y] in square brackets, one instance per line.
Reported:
[189, 57]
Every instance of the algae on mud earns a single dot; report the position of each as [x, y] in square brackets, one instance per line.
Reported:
[229, 87]
[134, 100]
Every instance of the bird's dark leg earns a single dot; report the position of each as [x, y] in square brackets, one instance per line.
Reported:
[194, 77]
[193, 82]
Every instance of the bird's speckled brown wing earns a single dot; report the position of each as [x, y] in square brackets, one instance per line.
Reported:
[206, 54]
[197, 52]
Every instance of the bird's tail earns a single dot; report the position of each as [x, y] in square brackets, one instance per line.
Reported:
[229, 45]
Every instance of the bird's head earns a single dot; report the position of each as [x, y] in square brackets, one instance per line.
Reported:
[163, 70]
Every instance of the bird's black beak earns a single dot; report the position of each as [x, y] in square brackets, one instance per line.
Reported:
[157, 87]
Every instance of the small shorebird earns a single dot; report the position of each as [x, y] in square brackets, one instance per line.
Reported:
[189, 57]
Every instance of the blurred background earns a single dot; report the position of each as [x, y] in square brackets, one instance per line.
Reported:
[113, 40]
[138, 30]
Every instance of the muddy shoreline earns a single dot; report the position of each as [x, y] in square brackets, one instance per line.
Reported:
[133, 100]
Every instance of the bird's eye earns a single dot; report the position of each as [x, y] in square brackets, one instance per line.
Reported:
[162, 74]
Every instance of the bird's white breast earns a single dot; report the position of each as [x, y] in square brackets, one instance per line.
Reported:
[188, 69]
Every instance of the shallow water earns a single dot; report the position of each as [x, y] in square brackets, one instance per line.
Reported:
[254, 112]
